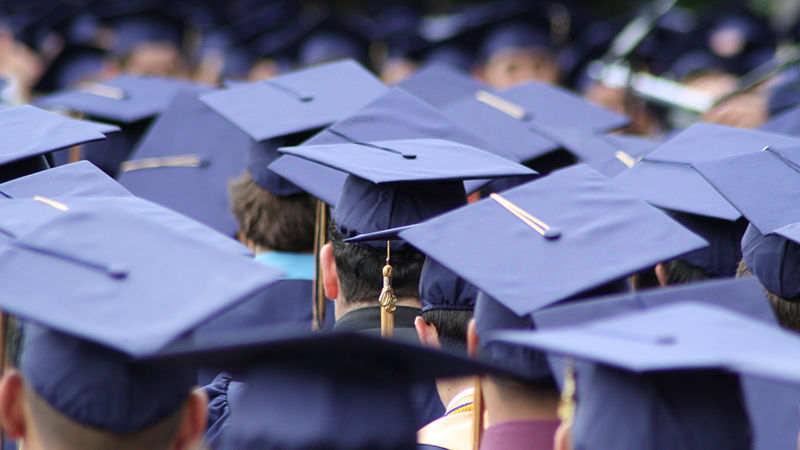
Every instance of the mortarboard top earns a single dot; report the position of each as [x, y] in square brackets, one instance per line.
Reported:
[441, 85]
[73, 64]
[327, 375]
[514, 34]
[298, 101]
[132, 286]
[78, 179]
[577, 229]
[123, 100]
[666, 178]
[185, 159]
[402, 182]
[499, 123]
[134, 27]
[774, 260]
[24, 214]
[546, 105]
[392, 116]
[28, 131]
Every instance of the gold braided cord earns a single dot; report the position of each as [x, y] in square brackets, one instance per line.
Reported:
[387, 300]
[50, 202]
[102, 90]
[566, 406]
[625, 158]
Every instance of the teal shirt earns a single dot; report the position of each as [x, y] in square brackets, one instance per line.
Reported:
[295, 266]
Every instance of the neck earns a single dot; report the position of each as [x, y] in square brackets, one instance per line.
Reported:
[342, 306]
[503, 406]
[450, 387]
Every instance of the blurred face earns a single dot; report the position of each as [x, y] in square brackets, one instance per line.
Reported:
[156, 59]
[510, 67]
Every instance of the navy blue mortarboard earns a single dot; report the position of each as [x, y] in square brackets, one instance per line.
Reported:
[78, 179]
[299, 101]
[329, 376]
[786, 122]
[28, 133]
[185, 160]
[724, 252]
[123, 100]
[441, 289]
[156, 25]
[132, 286]
[394, 115]
[24, 214]
[441, 85]
[665, 177]
[75, 63]
[260, 156]
[774, 260]
[576, 229]
[766, 399]
[402, 182]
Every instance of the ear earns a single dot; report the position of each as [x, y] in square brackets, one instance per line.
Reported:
[473, 343]
[12, 411]
[193, 425]
[562, 440]
[427, 332]
[661, 274]
[330, 278]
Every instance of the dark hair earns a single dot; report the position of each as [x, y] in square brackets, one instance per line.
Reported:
[271, 221]
[451, 326]
[360, 270]
[786, 310]
[680, 272]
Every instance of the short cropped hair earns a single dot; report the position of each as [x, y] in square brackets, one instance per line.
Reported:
[59, 431]
[271, 221]
[680, 272]
[451, 325]
[360, 269]
[787, 311]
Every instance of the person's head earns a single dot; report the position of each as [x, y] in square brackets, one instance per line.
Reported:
[154, 59]
[352, 272]
[447, 305]
[69, 394]
[773, 260]
[517, 52]
[270, 221]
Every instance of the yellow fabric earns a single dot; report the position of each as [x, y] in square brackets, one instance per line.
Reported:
[453, 432]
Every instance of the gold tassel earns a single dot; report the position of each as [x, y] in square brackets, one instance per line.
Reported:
[318, 301]
[478, 410]
[387, 299]
[566, 406]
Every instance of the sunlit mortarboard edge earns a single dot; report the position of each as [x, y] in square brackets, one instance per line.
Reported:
[764, 397]
[401, 182]
[673, 340]
[118, 286]
[524, 228]
[28, 133]
[127, 101]
[666, 178]
[297, 367]
[78, 179]
[770, 246]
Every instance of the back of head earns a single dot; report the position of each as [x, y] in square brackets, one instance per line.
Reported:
[447, 303]
[662, 410]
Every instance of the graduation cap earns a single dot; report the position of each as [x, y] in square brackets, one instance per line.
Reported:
[441, 85]
[786, 122]
[575, 228]
[299, 101]
[118, 286]
[78, 179]
[394, 115]
[132, 28]
[288, 376]
[185, 159]
[401, 182]
[771, 404]
[676, 338]
[665, 177]
[28, 133]
[75, 63]
[24, 214]
[514, 34]
[124, 100]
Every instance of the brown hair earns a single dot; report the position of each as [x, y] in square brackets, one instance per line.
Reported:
[786, 310]
[271, 221]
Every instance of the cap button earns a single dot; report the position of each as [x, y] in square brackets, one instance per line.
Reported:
[552, 233]
[409, 156]
[117, 271]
